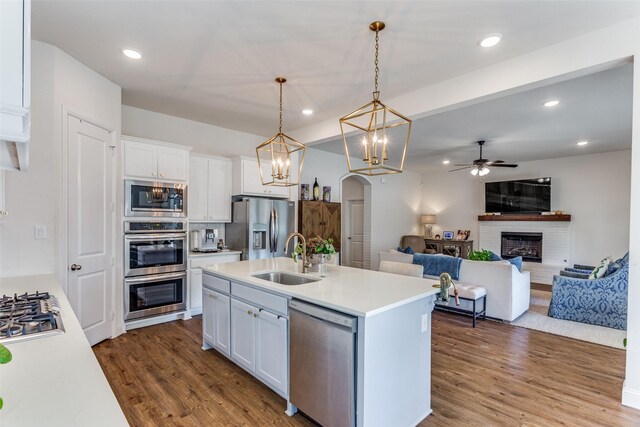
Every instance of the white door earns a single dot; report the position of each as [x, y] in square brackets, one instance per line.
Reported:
[89, 228]
[198, 192]
[173, 164]
[222, 323]
[219, 195]
[243, 334]
[271, 350]
[208, 315]
[356, 238]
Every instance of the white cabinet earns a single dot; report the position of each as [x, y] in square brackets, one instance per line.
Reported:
[216, 320]
[259, 337]
[271, 349]
[15, 83]
[247, 181]
[243, 334]
[195, 277]
[155, 160]
[209, 189]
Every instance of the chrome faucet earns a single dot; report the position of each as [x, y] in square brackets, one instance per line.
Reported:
[305, 263]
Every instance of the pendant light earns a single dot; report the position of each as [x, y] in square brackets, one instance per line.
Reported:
[274, 155]
[379, 145]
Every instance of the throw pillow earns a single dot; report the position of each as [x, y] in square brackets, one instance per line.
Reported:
[601, 269]
[517, 261]
[494, 257]
[612, 268]
[406, 250]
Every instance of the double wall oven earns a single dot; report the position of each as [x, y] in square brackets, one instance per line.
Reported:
[155, 264]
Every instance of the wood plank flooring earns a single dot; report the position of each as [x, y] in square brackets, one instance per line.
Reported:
[493, 375]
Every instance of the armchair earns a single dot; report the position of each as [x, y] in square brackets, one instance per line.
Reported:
[595, 301]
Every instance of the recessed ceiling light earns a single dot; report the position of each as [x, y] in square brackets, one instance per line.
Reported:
[132, 53]
[490, 40]
[307, 112]
[552, 103]
[446, 162]
[583, 142]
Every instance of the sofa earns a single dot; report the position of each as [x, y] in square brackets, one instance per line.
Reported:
[508, 290]
[600, 301]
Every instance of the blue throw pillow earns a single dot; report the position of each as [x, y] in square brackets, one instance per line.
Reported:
[406, 250]
[612, 268]
[494, 257]
[517, 261]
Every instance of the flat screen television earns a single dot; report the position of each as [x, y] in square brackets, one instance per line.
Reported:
[522, 196]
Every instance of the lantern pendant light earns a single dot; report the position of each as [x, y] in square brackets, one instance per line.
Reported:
[379, 145]
[274, 155]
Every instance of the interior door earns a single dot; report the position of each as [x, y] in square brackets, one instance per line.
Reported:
[89, 228]
[356, 239]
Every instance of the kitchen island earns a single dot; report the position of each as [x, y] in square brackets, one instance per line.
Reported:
[54, 380]
[393, 339]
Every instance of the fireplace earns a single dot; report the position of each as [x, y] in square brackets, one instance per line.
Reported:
[526, 245]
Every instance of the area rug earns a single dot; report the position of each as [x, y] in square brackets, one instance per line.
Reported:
[536, 318]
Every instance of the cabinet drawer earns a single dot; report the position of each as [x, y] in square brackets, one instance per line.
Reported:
[269, 301]
[216, 283]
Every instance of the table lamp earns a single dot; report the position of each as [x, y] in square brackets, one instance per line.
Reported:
[428, 221]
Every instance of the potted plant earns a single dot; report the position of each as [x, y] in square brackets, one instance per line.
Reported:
[319, 251]
[5, 357]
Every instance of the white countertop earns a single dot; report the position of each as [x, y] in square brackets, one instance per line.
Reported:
[54, 380]
[193, 254]
[349, 290]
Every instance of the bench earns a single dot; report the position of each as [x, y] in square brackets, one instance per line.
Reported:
[472, 294]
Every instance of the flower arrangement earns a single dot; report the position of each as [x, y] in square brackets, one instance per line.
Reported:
[315, 245]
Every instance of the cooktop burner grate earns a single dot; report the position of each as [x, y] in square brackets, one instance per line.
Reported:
[29, 316]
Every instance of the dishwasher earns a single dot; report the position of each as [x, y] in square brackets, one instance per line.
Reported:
[322, 362]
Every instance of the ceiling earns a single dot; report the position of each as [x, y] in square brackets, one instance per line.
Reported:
[518, 128]
[215, 61]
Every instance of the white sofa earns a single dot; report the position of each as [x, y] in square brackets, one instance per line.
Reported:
[508, 290]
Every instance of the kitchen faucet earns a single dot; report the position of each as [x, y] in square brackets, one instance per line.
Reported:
[305, 263]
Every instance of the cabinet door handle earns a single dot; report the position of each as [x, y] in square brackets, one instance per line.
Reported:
[255, 314]
[153, 174]
[249, 312]
[162, 175]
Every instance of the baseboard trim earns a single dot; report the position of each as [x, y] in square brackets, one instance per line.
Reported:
[630, 397]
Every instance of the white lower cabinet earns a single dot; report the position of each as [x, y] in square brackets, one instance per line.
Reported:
[216, 320]
[259, 343]
[271, 350]
[243, 334]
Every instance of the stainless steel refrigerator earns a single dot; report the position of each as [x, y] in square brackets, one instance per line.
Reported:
[260, 227]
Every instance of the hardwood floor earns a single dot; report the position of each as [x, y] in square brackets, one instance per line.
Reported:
[493, 375]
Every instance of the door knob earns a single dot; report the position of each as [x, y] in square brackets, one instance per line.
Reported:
[75, 267]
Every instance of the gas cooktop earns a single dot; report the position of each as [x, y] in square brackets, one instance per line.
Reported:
[29, 316]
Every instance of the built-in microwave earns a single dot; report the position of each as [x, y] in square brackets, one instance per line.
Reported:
[155, 199]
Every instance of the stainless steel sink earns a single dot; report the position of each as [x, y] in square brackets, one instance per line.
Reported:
[285, 278]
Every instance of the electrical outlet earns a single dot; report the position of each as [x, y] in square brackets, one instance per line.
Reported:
[425, 322]
[40, 232]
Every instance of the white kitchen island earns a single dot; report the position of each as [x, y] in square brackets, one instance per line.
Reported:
[393, 356]
[54, 380]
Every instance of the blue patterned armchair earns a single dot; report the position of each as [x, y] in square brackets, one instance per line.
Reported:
[597, 301]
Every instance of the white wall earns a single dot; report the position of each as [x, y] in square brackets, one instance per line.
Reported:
[204, 138]
[395, 199]
[34, 197]
[594, 189]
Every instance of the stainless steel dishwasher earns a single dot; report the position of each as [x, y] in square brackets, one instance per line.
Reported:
[322, 361]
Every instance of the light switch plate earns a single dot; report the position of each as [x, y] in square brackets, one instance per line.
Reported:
[40, 232]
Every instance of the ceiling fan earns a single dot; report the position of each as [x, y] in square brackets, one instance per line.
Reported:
[480, 166]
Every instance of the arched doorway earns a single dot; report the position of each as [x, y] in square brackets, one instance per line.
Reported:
[356, 221]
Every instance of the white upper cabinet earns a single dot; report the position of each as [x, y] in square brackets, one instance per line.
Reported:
[154, 160]
[209, 189]
[15, 82]
[247, 181]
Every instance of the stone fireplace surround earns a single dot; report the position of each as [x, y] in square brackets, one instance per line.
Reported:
[556, 244]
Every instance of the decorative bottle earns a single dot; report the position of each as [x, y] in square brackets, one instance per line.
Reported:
[316, 191]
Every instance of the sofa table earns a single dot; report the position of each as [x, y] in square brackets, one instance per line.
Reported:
[457, 248]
